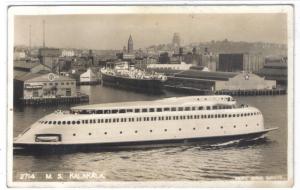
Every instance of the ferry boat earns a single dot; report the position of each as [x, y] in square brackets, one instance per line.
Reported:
[191, 119]
[134, 79]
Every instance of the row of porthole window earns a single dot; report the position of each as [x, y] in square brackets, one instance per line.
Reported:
[179, 129]
[145, 110]
[139, 119]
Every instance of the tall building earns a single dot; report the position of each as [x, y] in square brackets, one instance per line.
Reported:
[176, 40]
[130, 45]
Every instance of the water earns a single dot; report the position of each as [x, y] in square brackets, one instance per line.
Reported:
[266, 157]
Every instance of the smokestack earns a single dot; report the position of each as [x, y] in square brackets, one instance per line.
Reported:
[29, 40]
[43, 33]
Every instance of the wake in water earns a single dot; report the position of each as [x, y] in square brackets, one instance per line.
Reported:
[240, 143]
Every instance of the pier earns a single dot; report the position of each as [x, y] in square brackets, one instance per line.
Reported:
[58, 100]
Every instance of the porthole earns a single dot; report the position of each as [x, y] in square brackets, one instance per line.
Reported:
[166, 130]
[74, 134]
[151, 131]
[90, 134]
[257, 124]
[179, 129]
[207, 127]
[246, 125]
[121, 132]
[78, 122]
[105, 133]
[234, 126]
[221, 127]
[194, 128]
[136, 131]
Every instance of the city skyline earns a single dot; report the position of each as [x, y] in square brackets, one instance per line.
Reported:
[112, 31]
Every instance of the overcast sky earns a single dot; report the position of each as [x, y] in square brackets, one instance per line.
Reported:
[112, 31]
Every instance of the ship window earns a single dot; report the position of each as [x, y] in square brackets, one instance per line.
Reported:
[176, 117]
[129, 110]
[73, 122]
[179, 129]
[137, 110]
[147, 118]
[193, 108]
[162, 118]
[251, 113]
[167, 118]
[99, 120]
[173, 109]
[121, 132]
[212, 116]
[229, 115]
[158, 110]
[246, 125]
[234, 126]
[183, 117]
[46, 122]
[208, 116]
[54, 122]
[166, 130]
[233, 115]
[151, 110]
[109, 120]
[207, 127]
[187, 108]
[99, 111]
[94, 121]
[238, 115]
[144, 110]
[74, 134]
[106, 120]
[208, 107]
[136, 131]
[105, 133]
[117, 119]
[151, 131]
[180, 109]
[106, 111]
[114, 111]
[121, 119]
[242, 115]
[219, 115]
[215, 107]
[68, 122]
[90, 134]
[166, 109]
[122, 111]
[200, 108]
[221, 127]
[59, 122]
[50, 122]
[144, 118]
[114, 120]
[78, 122]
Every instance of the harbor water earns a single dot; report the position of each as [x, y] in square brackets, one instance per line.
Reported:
[227, 161]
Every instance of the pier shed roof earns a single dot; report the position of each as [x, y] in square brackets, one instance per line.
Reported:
[223, 76]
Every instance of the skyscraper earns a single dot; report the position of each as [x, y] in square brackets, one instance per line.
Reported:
[176, 40]
[130, 45]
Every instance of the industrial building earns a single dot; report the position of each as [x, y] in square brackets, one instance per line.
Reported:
[43, 86]
[49, 57]
[236, 62]
[219, 81]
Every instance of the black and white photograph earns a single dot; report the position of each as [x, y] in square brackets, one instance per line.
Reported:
[197, 96]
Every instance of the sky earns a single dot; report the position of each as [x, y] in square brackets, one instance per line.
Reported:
[112, 31]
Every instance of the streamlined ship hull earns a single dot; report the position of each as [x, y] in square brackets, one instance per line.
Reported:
[37, 148]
